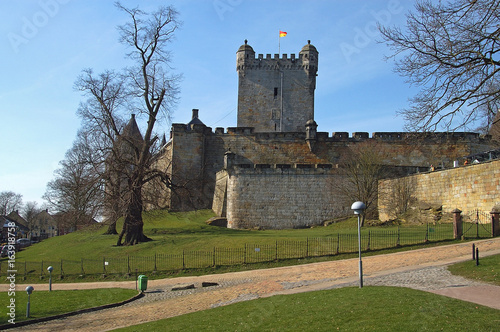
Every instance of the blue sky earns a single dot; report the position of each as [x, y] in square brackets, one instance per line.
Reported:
[47, 43]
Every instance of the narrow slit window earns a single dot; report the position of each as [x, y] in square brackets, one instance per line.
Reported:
[275, 93]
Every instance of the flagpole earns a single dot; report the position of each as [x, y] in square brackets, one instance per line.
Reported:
[281, 82]
[279, 43]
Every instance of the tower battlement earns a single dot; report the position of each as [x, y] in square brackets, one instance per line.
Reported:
[276, 63]
[276, 94]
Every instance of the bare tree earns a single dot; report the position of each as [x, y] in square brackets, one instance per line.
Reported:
[30, 211]
[450, 50]
[77, 189]
[102, 124]
[10, 201]
[147, 89]
[397, 199]
[361, 167]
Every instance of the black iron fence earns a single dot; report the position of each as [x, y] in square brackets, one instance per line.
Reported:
[371, 239]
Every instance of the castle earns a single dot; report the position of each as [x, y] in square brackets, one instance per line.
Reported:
[275, 170]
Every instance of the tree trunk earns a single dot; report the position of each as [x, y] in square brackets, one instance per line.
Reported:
[111, 228]
[132, 232]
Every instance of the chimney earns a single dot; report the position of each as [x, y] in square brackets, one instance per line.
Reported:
[195, 113]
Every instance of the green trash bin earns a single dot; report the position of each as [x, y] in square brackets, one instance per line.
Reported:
[143, 282]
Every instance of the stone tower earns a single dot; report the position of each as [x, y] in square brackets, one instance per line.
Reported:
[276, 94]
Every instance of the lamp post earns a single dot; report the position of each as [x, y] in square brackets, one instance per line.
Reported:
[29, 290]
[50, 269]
[359, 208]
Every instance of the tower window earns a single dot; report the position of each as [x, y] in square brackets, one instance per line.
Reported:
[275, 93]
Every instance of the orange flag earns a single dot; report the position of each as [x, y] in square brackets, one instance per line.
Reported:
[282, 33]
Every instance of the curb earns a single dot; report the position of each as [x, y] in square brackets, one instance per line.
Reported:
[68, 314]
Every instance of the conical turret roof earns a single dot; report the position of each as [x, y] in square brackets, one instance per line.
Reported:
[132, 130]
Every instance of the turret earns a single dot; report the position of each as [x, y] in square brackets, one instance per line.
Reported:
[309, 55]
[311, 133]
[244, 56]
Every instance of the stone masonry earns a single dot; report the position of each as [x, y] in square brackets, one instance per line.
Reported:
[467, 188]
[276, 94]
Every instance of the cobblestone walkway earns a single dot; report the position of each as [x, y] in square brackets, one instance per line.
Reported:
[423, 269]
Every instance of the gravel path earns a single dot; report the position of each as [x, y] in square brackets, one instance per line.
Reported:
[423, 269]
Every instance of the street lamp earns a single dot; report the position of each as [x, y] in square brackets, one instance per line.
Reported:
[359, 208]
[29, 290]
[50, 269]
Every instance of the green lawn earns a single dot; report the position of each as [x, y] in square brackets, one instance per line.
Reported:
[488, 269]
[44, 303]
[183, 241]
[346, 309]
[174, 233]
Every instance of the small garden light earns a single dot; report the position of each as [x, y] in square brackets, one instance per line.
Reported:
[50, 269]
[29, 290]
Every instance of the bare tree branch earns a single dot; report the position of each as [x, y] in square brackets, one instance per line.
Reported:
[449, 50]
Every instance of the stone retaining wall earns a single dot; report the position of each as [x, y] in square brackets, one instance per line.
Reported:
[278, 198]
[467, 188]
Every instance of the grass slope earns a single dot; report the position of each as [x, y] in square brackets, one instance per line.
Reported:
[45, 303]
[172, 233]
[346, 309]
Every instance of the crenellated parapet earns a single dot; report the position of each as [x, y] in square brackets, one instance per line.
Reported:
[306, 60]
[336, 136]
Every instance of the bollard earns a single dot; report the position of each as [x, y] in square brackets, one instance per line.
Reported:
[477, 256]
[473, 252]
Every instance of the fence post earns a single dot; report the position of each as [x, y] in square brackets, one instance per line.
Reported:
[276, 256]
[83, 272]
[338, 243]
[213, 262]
[369, 238]
[128, 264]
[495, 221]
[398, 239]
[307, 247]
[62, 271]
[104, 265]
[25, 270]
[155, 263]
[427, 233]
[457, 224]
[183, 261]
[245, 254]
[41, 271]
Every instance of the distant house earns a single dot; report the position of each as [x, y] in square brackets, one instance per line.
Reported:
[20, 231]
[44, 226]
[14, 215]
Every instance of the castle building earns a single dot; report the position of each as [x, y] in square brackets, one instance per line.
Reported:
[275, 170]
[276, 94]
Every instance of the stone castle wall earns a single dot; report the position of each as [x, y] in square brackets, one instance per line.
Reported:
[278, 198]
[467, 188]
[198, 154]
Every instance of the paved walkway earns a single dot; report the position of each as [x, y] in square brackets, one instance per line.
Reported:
[423, 269]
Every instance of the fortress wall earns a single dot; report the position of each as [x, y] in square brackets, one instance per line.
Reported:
[281, 198]
[467, 188]
[291, 148]
[198, 154]
[188, 163]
